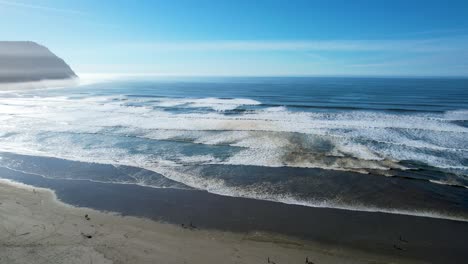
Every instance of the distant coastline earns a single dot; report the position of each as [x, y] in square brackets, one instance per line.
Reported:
[26, 64]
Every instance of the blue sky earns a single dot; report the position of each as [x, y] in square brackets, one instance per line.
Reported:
[263, 37]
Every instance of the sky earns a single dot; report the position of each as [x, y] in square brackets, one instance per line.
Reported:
[247, 38]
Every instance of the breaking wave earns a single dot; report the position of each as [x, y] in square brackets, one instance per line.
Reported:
[355, 140]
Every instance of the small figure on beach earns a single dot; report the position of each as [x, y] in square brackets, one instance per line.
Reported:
[87, 236]
[87, 217]
[397, 247]
[192, 226]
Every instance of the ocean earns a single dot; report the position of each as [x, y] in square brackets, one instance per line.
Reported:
[395, 145]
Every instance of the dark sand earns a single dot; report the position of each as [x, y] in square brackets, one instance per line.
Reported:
[420, 238]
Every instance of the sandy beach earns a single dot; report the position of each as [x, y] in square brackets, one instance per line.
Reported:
[37, 228]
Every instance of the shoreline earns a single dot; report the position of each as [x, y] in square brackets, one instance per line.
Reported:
[38, 227]
[90, 171]
[380, 235]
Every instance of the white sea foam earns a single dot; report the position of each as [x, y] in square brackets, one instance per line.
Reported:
[217, 104]
[362, 139]
[64, 148]
[456, 115]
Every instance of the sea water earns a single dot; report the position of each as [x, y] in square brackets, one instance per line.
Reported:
[375, 144]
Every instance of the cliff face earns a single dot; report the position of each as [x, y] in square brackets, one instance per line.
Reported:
[25, 61]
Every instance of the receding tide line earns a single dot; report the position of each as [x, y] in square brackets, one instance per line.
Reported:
[284, 200]
[356, 207]
[362, 208]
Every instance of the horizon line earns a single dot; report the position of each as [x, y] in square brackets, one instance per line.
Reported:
[88, 74]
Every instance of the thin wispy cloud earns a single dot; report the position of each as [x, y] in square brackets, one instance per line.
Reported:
[424, 56]
[40, 7]
[420, 45]
[457, 60]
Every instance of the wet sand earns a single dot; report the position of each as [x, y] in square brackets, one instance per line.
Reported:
[384, 236]
[36, 228]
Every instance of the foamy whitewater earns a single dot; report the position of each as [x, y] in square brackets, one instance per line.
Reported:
[365, 144]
